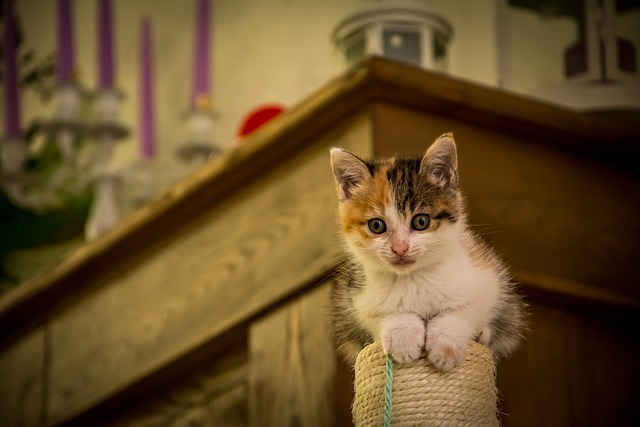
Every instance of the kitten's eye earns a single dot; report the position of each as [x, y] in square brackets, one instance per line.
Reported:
[420, 222]
[377, 226]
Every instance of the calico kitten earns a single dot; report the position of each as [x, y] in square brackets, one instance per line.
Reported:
[418, 278]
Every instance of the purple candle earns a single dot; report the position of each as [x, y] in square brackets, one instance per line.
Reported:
[105, 45]
[147, 130]
[11, 99]
[201, 86]
[65, 41]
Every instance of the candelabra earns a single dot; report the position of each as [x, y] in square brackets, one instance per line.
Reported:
[76, 173]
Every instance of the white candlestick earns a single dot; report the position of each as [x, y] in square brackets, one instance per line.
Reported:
[104, 210]
[106, 107]
[68, 100]
[200, 128]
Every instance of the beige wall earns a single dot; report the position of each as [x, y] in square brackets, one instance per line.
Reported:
[280, 51]
[535, 48]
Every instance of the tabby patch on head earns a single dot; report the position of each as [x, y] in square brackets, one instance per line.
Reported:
[399, 212]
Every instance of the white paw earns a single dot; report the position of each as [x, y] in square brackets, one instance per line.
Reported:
[443, 350]
[403, 337]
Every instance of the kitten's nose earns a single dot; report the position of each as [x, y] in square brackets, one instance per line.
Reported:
[400, 248]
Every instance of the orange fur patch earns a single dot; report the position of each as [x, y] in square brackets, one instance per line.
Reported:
[450, 352]
[369, 201]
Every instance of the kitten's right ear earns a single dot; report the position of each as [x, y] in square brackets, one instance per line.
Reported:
[440, 163]
[349, 171]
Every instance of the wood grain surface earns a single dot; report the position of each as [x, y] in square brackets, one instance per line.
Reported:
[548, 211]
[208, 394]
[234, 262]
[22, 381]
[292, 365]
[573, 370]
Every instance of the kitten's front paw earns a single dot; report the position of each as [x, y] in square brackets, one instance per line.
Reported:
[443, 350]
[403, 337]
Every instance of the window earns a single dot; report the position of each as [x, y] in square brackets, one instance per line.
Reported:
[403, 45]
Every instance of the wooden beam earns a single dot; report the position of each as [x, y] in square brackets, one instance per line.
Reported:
[592, 300]
[208, 387]
[506, 112]
[572, 369]
[292, 365]
[560, 214]
[23, 381]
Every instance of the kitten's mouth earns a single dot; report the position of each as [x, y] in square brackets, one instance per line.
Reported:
[402, 262]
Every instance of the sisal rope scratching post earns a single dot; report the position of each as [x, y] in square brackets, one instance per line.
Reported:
[422, 395]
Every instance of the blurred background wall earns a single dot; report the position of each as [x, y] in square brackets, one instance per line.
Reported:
[280, 51]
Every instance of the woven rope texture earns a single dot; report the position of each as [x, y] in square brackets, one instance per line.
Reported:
[424, 396]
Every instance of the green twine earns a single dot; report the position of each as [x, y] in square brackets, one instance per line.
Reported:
[388, 386]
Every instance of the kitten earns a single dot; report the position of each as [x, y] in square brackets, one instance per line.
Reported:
[418, 278]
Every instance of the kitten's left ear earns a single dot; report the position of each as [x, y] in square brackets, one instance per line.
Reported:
[349, 170]
[440, 164]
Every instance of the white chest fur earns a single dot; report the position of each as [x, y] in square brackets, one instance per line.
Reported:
[453, 283]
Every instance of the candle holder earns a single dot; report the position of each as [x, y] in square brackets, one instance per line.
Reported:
[199, 145]
[66, 128]
[66, 125]
[106, 131]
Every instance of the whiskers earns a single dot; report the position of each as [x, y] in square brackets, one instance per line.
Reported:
[334, 265]
[369, 257]
[484, 230]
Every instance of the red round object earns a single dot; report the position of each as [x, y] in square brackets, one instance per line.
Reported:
[258, 117]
